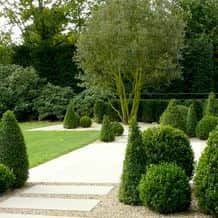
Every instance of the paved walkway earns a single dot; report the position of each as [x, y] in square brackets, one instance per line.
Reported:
[74, 182]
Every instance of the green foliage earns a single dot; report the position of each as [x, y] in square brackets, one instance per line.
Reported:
[52, 102]
[165, 188]
[133, 167]
[99, 110]
[6, 51]
[151, 110]
[19, 87]
[58, 69]
[200, 53]
[167, 144]
[12, 148]
[212, 105]
[117, 128]
[106, 60]
[7, 178]
[205, 181]
[84, 102]
[107, 134]
[71, 119]
[175, 116]
[192, 120]
[205, 126]
[85, 121]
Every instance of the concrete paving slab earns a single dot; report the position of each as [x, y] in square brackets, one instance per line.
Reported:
[49, 204]
[69, 189]
[96, 163]
[8, 215]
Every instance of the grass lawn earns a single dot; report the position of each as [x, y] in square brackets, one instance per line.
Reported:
[46, 145]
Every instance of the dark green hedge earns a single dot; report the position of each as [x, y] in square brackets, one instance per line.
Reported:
[150, 110]
[206, 179]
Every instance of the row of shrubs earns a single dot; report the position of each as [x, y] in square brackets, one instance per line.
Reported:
[31, 97]
[158, 166]
[110, 130]
[72, 120]
[14, 163]
[190, 120]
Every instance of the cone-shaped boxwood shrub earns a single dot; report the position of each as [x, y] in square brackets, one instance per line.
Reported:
[133, 167]
[212, 105]
[117, 128]
[175, 116]
[12, 148]
[99, 110]
[107, 134]
[165, 188]
[167, 144]
[7, 178]
[206, 178]
[205, 126]
[192, 120]
[71, 119]
[85, 121]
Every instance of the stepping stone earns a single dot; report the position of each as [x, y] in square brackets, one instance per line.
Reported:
[49, 203]
[69, 189]
[7, 215]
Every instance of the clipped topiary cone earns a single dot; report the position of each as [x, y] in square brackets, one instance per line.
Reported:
[192, 120]
[133, 167]
[12, 148]
[107, 134]
[71, 119]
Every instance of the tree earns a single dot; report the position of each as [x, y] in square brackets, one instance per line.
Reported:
[6, 51]
[49, 29]
[133, 167]
[12, 148]
[200, 54]
[126, 46]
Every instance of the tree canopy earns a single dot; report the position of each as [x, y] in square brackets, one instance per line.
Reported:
[130, 44]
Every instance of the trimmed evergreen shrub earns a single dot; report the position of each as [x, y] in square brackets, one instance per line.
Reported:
[175, 116]
[192, 120]
[205, 126]
[133, 167]
[12, 148]
[165, 188]
[206, 178]
[7, 178]
[212, 105]
[167, 144]
[117, 128]
[99, 111]
[71, 119]
[85, 122]
[107, 134]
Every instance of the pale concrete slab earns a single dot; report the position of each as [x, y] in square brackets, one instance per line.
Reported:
[69, 189]
[49, 203]
[8, 215]
[98, 162]
[198, 147]
[60, 127]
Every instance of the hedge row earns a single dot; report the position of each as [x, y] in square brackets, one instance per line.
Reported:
[149, 111]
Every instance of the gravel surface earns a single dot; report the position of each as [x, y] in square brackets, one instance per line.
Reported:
[109, 207]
